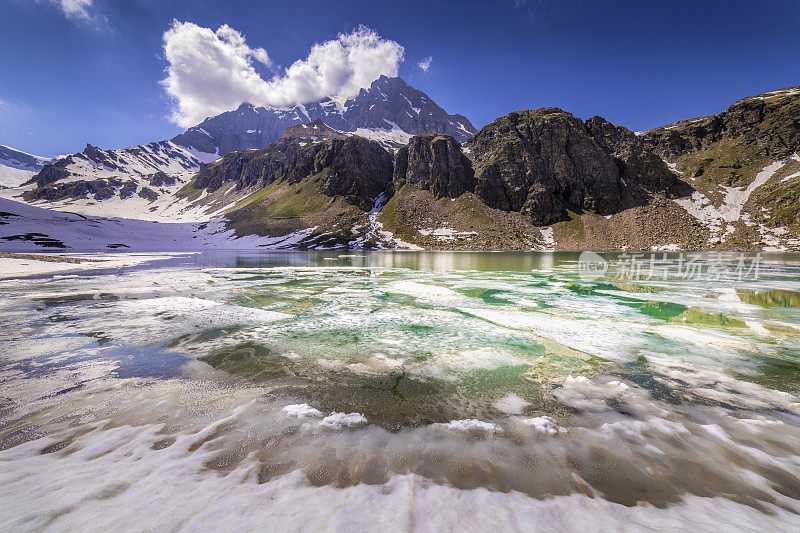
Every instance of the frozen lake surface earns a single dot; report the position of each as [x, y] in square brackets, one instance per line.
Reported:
[398, 391]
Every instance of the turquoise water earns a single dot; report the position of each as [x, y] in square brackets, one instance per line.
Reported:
[500, 378]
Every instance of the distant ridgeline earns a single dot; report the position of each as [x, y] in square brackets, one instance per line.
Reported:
[391, 169]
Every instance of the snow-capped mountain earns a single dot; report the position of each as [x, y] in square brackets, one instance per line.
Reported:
[389, 109]
[146, 181]
[17, 167]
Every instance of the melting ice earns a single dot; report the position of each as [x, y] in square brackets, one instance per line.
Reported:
[400, 391]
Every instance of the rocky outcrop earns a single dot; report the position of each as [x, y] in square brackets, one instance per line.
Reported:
[540, 162]
[148, 194]
[161, 161]
[316, 130]
[353, 167]
[769, 123]
[128, 189]
[435, 163]
[52, 173]
[637, 164]
[162, 179]
[356, 168]
[100, 189]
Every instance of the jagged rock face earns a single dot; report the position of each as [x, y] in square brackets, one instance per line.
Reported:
[99, 189]
[353, 167]
[539, 161]
[388, 101]
[103, 174]
[435, 163]
[542, 161]
[769, 122]
[637, 164]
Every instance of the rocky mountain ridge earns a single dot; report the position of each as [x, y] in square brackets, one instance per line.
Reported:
[545, 178]
[533, 179]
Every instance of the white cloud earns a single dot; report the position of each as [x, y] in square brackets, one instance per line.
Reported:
[426, 63]
[75, 9]
[82, 11]
[211, 72]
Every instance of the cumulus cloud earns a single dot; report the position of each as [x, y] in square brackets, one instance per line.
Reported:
[426, 63]
[211, 72]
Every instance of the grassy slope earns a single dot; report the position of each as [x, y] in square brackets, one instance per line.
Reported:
[412, 209]
[284, 207]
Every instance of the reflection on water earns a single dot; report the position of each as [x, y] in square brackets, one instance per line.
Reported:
[399, 390]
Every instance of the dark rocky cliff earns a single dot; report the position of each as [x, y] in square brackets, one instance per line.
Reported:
[434, 162]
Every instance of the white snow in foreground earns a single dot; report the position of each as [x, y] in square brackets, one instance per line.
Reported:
[17, 267]
[544, 425]
[421, 290]
[510, 404]
[301, 411]
[343, 420]
[471, 424]
[33, 481]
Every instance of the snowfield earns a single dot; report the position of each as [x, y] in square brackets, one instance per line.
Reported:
[719, 219]
[26, 228]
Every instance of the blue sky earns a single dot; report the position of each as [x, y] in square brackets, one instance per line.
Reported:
[78, 71]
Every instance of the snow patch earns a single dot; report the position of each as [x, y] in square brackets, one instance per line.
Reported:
[472, 424]
[544, 425]
[301, 411]
[338, 421]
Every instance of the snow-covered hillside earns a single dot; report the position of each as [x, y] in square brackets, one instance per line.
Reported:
[17, 167]
[136, 182]
[24, 228]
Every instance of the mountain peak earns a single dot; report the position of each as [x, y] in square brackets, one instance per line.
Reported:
[389, 104]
